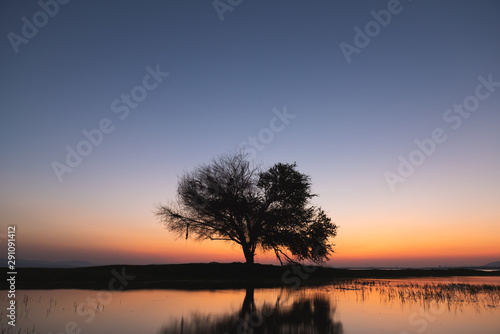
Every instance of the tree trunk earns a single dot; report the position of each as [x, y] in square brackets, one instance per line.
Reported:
[249, 255]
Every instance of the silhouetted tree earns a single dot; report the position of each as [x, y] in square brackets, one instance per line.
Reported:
[230, 200]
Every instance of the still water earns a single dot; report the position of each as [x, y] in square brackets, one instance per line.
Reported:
[431, 306]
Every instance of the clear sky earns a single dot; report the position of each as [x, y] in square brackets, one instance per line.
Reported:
[160, 86]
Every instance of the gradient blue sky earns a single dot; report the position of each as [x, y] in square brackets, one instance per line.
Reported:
[353, 121]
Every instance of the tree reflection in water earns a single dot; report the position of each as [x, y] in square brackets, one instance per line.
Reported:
[307, 315]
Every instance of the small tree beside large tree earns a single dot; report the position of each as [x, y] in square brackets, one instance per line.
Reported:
[230, 200]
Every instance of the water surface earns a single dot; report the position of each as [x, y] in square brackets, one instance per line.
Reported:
[403, 306]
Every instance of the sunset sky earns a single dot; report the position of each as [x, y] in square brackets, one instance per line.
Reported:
[172, 84]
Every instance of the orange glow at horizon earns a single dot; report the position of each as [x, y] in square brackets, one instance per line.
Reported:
[377, 234]
[163, 248]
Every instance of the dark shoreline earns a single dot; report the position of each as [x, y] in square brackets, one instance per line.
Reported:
[209, 276]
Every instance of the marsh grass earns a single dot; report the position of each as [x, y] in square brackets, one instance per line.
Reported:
[454, 295]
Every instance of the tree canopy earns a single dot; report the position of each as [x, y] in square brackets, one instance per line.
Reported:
[230, 200]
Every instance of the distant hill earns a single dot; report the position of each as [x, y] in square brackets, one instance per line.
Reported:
[20, 263]
[209, 276]
[493, 264]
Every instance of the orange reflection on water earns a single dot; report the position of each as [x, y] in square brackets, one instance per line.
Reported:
[396, 306]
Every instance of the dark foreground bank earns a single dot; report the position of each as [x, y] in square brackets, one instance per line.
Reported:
[208, 276]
